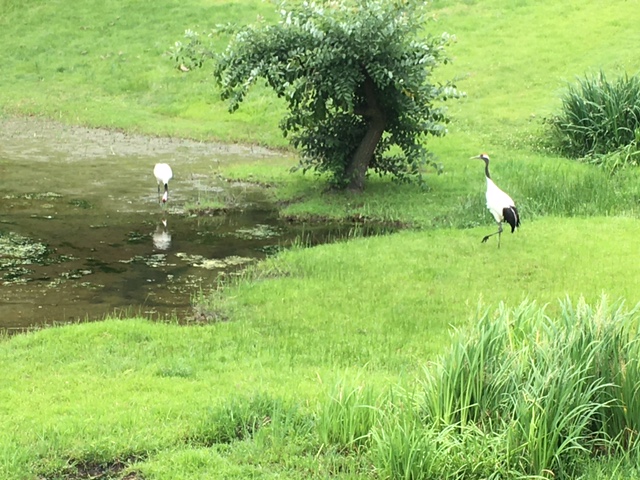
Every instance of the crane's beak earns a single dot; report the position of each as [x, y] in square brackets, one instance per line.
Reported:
[471, 158]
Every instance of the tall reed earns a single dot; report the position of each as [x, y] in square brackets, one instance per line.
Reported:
[598, 116]
[556, 390]
[346, 417]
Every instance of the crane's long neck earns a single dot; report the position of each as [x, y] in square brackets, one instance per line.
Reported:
[166, 187]
[486, 169]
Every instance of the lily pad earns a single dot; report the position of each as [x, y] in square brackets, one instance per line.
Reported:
[155, 260]
[16, 251]
[214, 263]
[257, 232]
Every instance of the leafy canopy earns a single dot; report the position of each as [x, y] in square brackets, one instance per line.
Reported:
[356, 76]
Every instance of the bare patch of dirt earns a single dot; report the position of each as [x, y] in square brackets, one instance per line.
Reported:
[82, 143]
[84, 470]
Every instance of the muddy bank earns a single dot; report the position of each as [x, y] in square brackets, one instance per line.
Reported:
[81, 143]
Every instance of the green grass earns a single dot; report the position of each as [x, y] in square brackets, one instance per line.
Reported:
[555, 390]
[599, 116]
[322, 342]
[515, 57]
[132, 388]
[542, 185]
[106, 64]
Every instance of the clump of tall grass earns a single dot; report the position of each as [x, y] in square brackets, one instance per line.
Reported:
[243, 417]
[519, 394]
[404, 446]
[347, 416]
[558, 189]
[598, 116]
[626, 156]
[554, 391]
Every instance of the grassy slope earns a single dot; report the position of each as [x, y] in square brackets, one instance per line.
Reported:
[106, 64]
[107, 390]
[382, 305]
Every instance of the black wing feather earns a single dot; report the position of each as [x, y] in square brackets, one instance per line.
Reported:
[512, 217]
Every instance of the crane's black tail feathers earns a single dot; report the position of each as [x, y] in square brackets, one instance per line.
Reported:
[511, 216]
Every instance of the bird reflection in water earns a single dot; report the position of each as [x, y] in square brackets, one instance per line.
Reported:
[162, 236]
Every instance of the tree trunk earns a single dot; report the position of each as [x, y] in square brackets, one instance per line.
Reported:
[357, 169]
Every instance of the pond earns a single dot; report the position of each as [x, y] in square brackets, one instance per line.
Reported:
[83, 236]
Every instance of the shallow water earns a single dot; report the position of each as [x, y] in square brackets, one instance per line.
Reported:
[84, 234]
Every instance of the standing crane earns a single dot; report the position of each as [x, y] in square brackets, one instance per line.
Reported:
[163, 174]
[501, 206]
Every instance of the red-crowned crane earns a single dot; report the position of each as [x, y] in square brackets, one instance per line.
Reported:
[163, 174]
[501, 206]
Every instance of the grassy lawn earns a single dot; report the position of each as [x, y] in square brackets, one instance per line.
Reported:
[132, 389]
[133, 399]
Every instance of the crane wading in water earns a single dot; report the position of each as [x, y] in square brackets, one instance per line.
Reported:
[163, 174]
[501, 206]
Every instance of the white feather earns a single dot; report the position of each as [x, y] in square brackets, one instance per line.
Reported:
[497, 201]
[163, 172]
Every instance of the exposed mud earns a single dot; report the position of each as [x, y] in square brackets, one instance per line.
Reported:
[80, 144]
[91, 470]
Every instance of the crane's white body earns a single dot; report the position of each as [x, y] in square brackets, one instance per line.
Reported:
[163, 173]
[497, 201]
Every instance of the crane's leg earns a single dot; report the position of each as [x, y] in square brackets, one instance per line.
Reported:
[495, 233]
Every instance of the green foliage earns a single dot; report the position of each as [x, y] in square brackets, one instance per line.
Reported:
[625, 156]
[349, 71]
[288, 327]
[190, 54]
[557, 390]
[347, 417]
[235, 397]
[405, 447]
[242, 418]
[402, 447]
[599, 116]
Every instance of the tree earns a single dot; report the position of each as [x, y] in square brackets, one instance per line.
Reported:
[356, 78]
